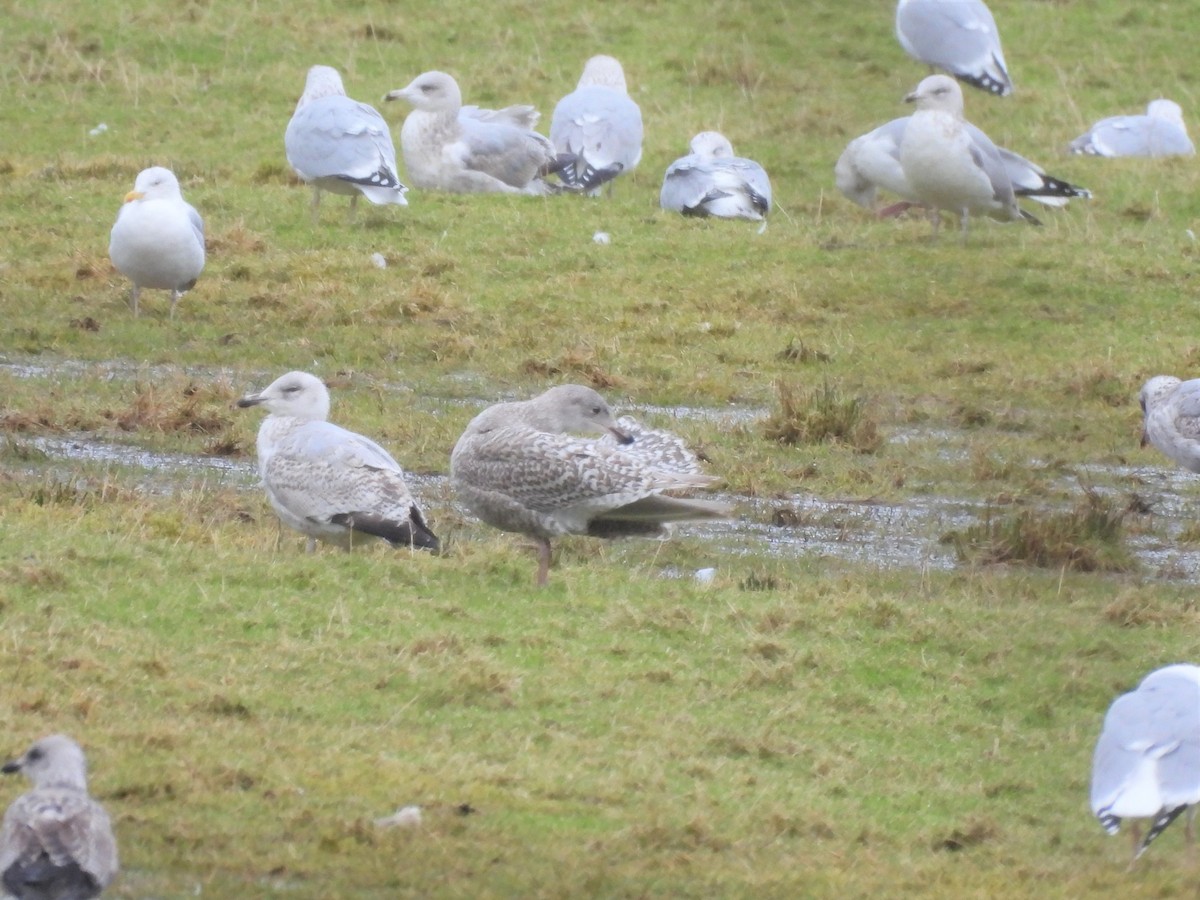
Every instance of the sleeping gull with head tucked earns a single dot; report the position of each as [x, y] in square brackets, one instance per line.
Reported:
[468, 150]
[711, 181]
[945, 167]
[56, 841]
[958, 36]
[871, 162]
[597, 128]
[1160, 132]
[328, 483]
[1147, 760]
[1171, 418]
[561, 464]
[158, 238]
[340, 145]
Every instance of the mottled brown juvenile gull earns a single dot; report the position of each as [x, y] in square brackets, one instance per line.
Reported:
[1171, 418]
[959, 36]
[341, 145]
[56, 842]
[326, 482]
[711, 181]
[1160, 132]
[468, 150]
[947, 168]
[158, 239]
[523, 467]
[597, 128]
[1147, 760]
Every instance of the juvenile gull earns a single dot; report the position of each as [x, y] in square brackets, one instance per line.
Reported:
[1160, 132]
[340, 145]
[158, 239]
[958, 36]
[711, 181]
[468, 150]
[872, 161]
[524, 467]
[946, 167]
[1171, 418]
[326, 482]
[1147, 760]
[597, 128]
[56, 842]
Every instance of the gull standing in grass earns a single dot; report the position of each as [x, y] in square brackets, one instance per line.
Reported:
[340, 145]
[1160, 132]
[468, 150]
[711, 181]
[561, 464]
[158, 239]
[958, 36]
[597, 128]
[56, 842]
[1147, 760]
[328, 483]
[1171, 418]
[946, 167]
[872, 161]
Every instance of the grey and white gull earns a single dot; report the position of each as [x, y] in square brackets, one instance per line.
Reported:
[1147, 759]
[468, 150]
[561, 464]
[957, 36]
[56, 842]
[712, 181]
[597, 129]
[871, 162]
[326, 482]
[340, 145]
[1171, 418]
[158, 239]
[1160, 132]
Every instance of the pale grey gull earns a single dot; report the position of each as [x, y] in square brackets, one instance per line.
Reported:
[711, 181]
[597, 128]
[56, 842]
[1171, 418]
[1160, 132]
[328, 483]
[958, 36]
[560, 464]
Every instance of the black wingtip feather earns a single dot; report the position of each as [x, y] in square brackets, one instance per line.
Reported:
[1161, 821]
[411, 532]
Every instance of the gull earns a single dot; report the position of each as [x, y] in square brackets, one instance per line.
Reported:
[1160, 132]
[56, 842]
[340, 145]
[958, 36]
[561, 464]
[946, 167]
[1171, 418]
[597, 128]
[872, 161]
[711, 181]
[1147, 760]
[158, 239]
[468, 150]
[328, 483]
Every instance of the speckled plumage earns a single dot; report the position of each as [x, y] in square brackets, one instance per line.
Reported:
[1171, 418]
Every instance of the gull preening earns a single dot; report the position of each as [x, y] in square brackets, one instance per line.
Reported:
[561, 464]
[158, 239]
[949, 169]
[1147, 760]
[1171, 418]
[328, 483]
[1160, 132]
[711, 181]
[468, 150]
[597, 128]
[341, 145]
[56, 842]
[871, 162]
[958, 36]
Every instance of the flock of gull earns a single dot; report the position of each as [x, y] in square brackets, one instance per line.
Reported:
[561, 463]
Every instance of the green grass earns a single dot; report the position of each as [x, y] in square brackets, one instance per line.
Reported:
[803, 726]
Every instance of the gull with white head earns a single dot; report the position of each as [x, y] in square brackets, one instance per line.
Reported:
[597, 128]
[957, 36]
[1160, 132]
[711, 181]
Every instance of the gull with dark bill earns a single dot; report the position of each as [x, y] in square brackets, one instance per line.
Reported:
[328, 483]
[957, 36]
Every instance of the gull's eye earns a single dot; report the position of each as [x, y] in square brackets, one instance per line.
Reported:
[596, 410]
[34, 755]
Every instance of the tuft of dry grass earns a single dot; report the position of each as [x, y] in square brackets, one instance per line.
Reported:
[823, 414]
